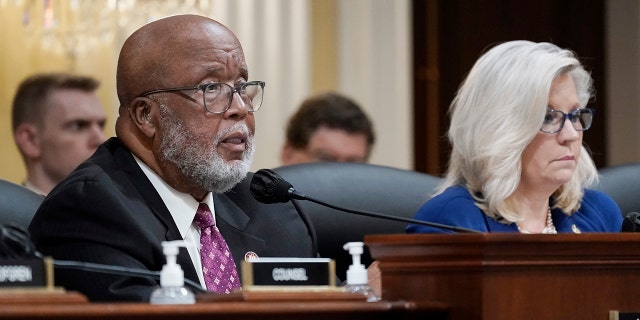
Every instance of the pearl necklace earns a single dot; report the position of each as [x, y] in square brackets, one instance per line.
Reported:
[549, 228]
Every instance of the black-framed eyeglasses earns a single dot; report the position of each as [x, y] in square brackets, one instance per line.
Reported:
[554, 120]
[217, 96]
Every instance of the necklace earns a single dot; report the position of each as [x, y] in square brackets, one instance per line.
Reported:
[549, 228]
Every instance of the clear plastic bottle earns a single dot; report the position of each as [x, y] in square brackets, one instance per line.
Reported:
[357, 280]
[172, 289]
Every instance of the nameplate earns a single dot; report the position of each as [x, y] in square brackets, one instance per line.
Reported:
[288, 272]
[22, 273]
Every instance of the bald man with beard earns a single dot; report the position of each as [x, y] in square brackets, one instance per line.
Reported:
[184, 139]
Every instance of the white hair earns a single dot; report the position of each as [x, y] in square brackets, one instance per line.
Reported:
[493, 119]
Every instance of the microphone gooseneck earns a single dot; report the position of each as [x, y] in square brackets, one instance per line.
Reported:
[116, 270]
[269, 187]
[15, 243]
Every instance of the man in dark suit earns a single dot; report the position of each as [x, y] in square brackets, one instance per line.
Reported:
[184, 138]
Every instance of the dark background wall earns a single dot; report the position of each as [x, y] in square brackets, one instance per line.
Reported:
[450, 35]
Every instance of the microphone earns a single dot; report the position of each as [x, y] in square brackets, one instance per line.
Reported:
[631, 222]
[269, 187]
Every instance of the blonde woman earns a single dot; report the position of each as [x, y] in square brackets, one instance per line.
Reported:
[518, 163]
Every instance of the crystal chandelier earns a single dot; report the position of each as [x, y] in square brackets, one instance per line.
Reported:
[72, 27]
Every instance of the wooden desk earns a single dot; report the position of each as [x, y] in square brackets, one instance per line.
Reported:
[513, 276]
[243, 306]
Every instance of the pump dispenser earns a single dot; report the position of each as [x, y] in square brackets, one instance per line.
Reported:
[357, 280]
[172, 289]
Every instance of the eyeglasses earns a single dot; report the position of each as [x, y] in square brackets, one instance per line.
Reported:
[580, 120]
[217, 96]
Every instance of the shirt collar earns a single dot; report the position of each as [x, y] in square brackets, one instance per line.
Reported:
[182, 206]
[27, 184]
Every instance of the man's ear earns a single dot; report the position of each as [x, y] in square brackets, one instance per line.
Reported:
[142, 113]
[27, 140]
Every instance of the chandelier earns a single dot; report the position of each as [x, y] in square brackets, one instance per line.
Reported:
[72, 27]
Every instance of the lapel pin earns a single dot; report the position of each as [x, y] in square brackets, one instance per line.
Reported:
[250, 256]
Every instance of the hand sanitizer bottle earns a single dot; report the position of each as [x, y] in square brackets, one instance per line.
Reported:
[172, 289]
[357, 280]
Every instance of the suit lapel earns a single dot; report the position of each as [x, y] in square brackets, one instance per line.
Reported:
[230, 212]
[144, 187]
[141, 183]
[232, 222]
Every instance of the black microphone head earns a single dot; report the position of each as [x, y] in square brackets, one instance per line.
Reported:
[631, 222]
[269, 187]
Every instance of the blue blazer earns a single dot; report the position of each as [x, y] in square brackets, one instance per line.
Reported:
[455, 207]
[108, 212]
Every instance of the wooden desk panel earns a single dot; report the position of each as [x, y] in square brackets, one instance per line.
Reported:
[245, 306]
[513, 276]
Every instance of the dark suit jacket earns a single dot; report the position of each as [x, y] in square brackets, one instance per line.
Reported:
[108, 212]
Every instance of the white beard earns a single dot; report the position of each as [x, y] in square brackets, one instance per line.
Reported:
[206, 168]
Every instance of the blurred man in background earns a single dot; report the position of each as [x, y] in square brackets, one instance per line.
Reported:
[328, 127]
[58, 122]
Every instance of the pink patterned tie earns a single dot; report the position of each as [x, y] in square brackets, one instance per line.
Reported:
[218, 268]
